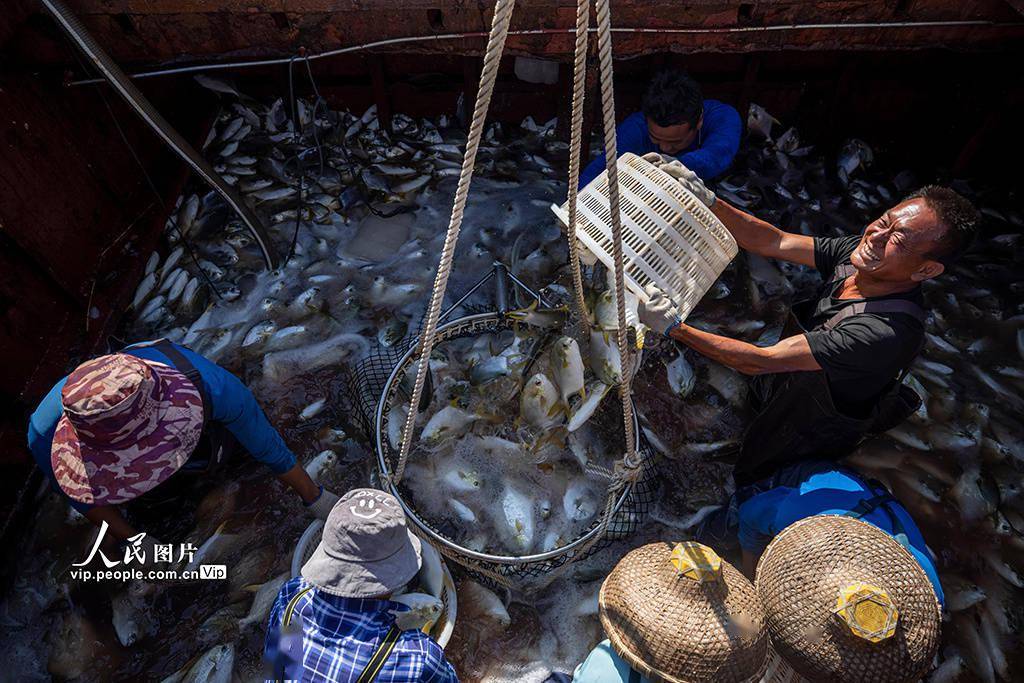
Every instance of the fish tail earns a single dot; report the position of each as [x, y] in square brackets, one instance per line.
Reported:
[558, 408]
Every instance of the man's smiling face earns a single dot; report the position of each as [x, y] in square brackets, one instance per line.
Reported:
[897, 246]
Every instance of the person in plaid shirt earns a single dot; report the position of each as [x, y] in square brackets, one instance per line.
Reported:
[334, 623]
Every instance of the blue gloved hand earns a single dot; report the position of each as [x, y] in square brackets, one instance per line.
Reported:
[660, 312]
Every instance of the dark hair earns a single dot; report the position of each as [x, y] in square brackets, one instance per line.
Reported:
[671, 98]
[957, 214]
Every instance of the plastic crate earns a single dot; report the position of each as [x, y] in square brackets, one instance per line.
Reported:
[669, 237]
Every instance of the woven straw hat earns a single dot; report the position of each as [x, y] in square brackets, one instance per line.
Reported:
[681, 614]
[844, 601]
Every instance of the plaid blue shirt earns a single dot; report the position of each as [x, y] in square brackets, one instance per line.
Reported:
[340, 635]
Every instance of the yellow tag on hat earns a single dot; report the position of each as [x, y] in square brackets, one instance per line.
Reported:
[696, 561]
[868, 611]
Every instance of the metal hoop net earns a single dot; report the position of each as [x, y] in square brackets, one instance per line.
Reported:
[522, 572]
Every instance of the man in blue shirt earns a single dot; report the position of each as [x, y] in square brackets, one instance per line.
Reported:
[336, 622]
[121, 424]
[823, 488]
[676, 120]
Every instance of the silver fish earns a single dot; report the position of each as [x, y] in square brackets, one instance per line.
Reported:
[191, 296]
[273, 194]
[422, 613]
[568, 368]
[233, 127]
[264, 599]
[596, 391]
[255, 184]
[517, 519]
[177, 288]
[580, 502]
[216, 546]
[129, 619]
[462, 511]
[168, 279]
[482, 605]
[259, 333]
[459, 476]
[215, 666]
[540, 317]
[153, 305]
[449, 422]
[538, 403]
[324, 461]
[604, 357]
[187, 216]
[488, 370]
[411, 185]
[760, 121]
[216, 85]
[313, 409]
[681, 377]
[144, 289]
[151, 264]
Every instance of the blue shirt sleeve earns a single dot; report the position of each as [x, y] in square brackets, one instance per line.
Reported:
[631, 136]
[41, 428]
[720, 140]
[603, 665]
[234, 406]
[758, 518]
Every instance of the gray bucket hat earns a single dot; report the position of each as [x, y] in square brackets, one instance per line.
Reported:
[366, 550]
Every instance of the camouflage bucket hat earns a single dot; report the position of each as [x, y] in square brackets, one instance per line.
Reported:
[128, 425]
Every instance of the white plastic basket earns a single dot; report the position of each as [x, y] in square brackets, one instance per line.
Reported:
[440, 630]
[669, 237]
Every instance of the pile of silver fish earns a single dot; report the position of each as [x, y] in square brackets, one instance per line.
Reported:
[361, 212]
[507, 458]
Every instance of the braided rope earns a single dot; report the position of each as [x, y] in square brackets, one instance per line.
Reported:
[488, 76]
[575, 147]
[604, 49]
[628, 470]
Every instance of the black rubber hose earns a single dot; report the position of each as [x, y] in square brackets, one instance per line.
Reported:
[124, 87]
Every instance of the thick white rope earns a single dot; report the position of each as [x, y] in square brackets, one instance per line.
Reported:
[495, 47]
[630, 461]
[579, 89]
[628, 470]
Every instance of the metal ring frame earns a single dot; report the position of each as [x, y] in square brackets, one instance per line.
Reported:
[383, 447]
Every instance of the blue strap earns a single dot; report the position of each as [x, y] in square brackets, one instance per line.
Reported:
[186, 368]
[881, 500]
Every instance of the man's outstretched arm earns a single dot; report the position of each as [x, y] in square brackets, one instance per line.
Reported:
[750, 233]
[792, 354]
[763, 238]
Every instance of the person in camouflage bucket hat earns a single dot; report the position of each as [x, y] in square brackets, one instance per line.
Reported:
[128, 425]
[122, 424]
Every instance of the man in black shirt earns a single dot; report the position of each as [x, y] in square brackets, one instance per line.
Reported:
[835, 374]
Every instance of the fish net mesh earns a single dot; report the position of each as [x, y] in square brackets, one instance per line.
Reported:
[371, 389]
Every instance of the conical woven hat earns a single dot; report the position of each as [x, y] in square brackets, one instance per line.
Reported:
[678, 613]
[844, 601]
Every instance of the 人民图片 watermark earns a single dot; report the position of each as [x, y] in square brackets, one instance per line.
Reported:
[160, 562]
